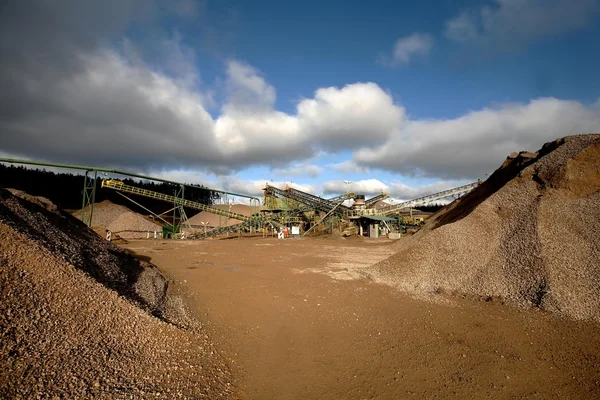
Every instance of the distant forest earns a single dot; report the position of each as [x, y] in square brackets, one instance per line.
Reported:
[66, 190]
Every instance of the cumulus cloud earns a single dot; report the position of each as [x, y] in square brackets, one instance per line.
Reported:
[365, 186]
[109, 113]
[248, 90]
[303, 169]
[349, 167]
[514, 24]
[398, 191]
[402, 192]
[75, 98]
[229, 183]
[356, 115]
[255, 187]
[478, 142]
[71, 95]
[407, 48]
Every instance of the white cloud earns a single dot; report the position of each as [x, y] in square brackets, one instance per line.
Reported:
[462, 28]
[125, 115]
[248, 90]
[355, 115]
[365, 186]
[409, 47]
[255, 187]
[121, 113]
[303, 169]
[192, 177]
[349, 167]
[179, 60]
[478, 142]
[229, 183]
[69, 98]
[402, 192]
[513, 24]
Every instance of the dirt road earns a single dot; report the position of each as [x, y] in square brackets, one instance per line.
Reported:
[296, 321]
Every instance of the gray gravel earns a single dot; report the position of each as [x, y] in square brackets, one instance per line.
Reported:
[529, 235]
[77, 317]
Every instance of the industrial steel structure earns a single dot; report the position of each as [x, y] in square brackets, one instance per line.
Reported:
[90, 185]
[349, 212]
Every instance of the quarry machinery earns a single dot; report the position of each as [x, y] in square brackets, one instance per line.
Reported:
[333, 209]
[314, 202]
[91, 178]
[255, 220]
[370, 203]
[395, 208]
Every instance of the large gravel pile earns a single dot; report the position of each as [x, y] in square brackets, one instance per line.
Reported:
[76, 316]
[121, 220]
[530, 235]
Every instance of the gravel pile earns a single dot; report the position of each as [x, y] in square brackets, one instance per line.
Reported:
[529, 235]
[121, 220]
[80, 318]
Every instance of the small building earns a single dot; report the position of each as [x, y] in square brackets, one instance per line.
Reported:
[375, 226]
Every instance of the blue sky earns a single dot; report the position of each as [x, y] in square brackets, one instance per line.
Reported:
[401, 96]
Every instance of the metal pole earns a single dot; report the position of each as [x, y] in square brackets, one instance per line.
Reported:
[93, 200]
[84, 197]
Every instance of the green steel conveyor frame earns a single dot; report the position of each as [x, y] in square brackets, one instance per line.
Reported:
[89, 185]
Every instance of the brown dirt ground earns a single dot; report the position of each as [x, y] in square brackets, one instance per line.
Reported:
[295, 320]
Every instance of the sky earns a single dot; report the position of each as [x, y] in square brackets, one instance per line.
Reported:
[401, 97]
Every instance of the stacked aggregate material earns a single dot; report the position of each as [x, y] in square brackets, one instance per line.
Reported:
[76, 316]
[214, 220]
[530, 234]
[121, 220]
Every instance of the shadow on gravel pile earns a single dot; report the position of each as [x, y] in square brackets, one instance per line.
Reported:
[75, 316]
[68, 237]
[529, 235]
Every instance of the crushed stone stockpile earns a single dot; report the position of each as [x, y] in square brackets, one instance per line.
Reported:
[121, 220]
[81, 318]
[530, 235]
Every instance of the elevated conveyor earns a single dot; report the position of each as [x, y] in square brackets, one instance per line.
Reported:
[314, 202]
[120, 186]
[393, 208]
[373, 200]
[221, 230]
